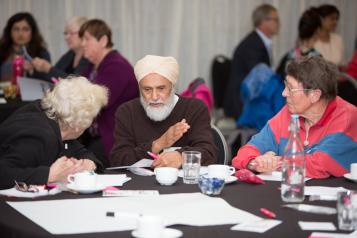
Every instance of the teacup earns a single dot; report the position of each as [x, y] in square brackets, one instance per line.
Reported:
[220, 171]
[84, 179]
[354, 170]
[150, 226]
[166, 175]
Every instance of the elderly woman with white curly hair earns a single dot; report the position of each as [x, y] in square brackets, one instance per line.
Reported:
[38, 142]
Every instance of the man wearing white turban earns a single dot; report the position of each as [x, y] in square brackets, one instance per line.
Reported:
[161, 120]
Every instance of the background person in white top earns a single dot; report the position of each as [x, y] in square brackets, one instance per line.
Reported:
[329, 44]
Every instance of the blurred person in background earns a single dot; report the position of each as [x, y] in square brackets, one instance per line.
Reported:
[255, 48]
[21, 31]
[329, 44]
[308, 30]
[72, 62]
[109, 68]
[38, 142]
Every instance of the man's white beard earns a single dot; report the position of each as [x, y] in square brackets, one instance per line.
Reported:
[159, 113]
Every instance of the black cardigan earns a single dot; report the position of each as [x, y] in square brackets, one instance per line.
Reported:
[29, 143]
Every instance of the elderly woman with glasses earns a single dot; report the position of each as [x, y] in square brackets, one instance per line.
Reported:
[328, 127]
[38, 142]
[72, 62]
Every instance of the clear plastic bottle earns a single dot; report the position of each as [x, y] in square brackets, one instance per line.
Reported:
[293, 167]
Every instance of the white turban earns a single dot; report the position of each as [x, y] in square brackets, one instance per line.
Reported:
[165, 66]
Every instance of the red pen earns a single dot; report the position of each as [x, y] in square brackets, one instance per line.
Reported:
[268, 213]
[152, 155]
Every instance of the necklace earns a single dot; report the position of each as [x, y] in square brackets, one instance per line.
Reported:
[306, 141]
[307, 127]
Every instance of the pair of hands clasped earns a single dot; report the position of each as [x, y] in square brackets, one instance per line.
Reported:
[173, 134]
[65, 166]
[265, 163]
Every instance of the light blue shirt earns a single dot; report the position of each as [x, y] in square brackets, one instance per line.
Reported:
[267, 43]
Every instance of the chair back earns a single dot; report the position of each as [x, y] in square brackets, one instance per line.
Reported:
[220, 70]
[221, 144]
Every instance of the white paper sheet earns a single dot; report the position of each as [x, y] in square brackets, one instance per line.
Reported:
[89, 215]
[274, 176]
[112, 179]
[323, 191]
[317, 226]
[257, 226]
[13, 192]
[143, 163]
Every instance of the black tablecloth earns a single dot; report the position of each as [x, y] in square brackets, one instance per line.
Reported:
[8, 108]
[244, 196]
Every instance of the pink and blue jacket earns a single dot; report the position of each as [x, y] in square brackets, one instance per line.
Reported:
[332, 140]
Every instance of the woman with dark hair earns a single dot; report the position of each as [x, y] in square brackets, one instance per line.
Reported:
[329, 44]
[308, 28]
[21, 31]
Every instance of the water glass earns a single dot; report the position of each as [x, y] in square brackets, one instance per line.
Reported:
[347, 210]
[191, 166]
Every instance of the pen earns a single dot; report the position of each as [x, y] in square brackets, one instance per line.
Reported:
[123, 214]
[268, 213]
[152, 155]
[26, 54]
[54, 80]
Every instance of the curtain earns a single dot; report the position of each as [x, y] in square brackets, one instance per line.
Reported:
[193, 31]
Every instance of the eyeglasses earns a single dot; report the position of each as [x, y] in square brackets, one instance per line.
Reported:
[70, 33]
[276, 19]
[293, 90]
[23, 187]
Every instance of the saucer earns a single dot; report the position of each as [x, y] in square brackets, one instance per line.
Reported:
[230, 179]
[349, 177]
[203, 170]
[95, 189]
[166, 233]
[166, 183]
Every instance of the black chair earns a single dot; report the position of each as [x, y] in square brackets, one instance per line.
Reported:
[347, 89]
[220, 70]
[221, 144]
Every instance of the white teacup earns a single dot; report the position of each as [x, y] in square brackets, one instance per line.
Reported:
[220, 171]
[150, 226]
[84, 179]
[354, 170]
[166, 175]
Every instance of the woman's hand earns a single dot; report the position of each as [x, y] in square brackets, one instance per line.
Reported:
[28, 67]
[41, 65]
[60, 170]
[266, 163]
[168, 159]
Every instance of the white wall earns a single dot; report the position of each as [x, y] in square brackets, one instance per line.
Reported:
[193, 31]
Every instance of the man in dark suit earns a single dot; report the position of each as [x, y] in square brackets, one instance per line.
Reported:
[255, 48]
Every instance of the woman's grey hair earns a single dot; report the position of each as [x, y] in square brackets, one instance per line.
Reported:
[74, 102]
[315, 73]
[76, 22]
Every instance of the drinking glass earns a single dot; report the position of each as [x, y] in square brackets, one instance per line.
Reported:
[191, 166]
[347, 210]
